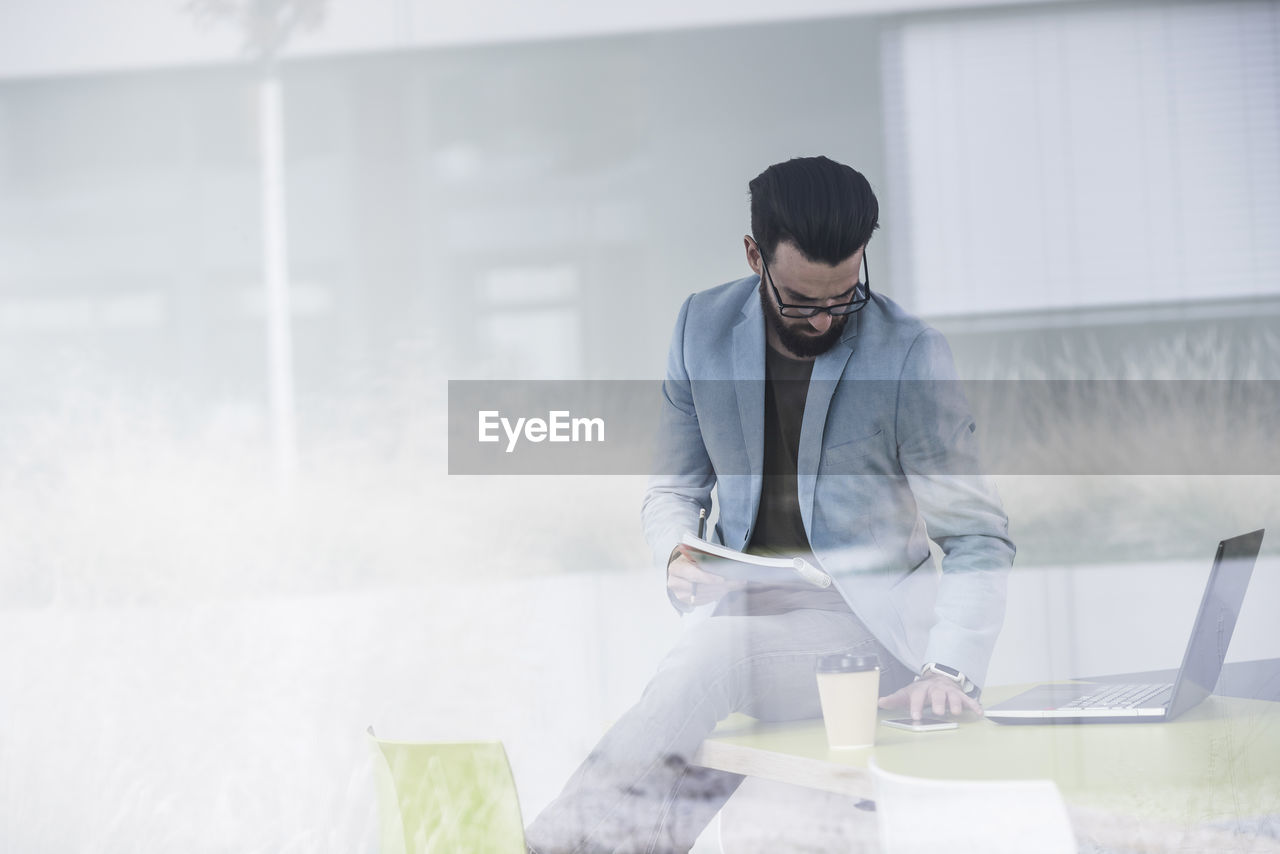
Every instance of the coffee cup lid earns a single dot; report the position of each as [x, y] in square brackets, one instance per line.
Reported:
[847, 663]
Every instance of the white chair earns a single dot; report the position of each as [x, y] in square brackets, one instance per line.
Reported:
[922, 816]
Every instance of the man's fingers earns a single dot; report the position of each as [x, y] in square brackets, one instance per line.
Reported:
[917, 704]
[690, 593]
[902, 698]
[939, 698]
[896, 699]
[696, 586]
[692, 572]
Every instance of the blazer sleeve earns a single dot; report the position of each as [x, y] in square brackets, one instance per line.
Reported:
[939, 454]
[681, 476]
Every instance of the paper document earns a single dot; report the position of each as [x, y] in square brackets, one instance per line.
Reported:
[740, 566]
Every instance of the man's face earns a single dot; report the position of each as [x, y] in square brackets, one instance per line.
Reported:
[800, 281]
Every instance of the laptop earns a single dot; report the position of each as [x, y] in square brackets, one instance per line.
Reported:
[1102, 702]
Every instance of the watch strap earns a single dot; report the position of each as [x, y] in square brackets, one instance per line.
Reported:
[933, 668]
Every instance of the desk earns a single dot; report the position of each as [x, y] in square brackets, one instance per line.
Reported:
[1219, 762]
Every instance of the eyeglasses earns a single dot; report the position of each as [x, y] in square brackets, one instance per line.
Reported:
[861, 296]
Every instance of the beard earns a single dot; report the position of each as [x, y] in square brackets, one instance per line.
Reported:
[803, 345]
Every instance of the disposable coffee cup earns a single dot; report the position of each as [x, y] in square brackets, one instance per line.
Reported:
[849, 689]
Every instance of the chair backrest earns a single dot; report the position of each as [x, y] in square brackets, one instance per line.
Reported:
[446, 798]
[962, 816]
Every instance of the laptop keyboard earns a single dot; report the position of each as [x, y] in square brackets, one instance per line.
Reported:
[1121, 696]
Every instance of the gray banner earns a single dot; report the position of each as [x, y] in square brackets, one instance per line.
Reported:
[1048, 427]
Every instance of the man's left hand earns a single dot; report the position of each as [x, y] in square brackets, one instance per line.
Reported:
[941, 693]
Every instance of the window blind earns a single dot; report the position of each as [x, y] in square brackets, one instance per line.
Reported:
[1089, 156]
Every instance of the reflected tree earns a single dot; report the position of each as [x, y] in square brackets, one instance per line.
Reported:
[267, 26]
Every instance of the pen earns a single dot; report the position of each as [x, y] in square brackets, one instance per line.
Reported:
[702, 523]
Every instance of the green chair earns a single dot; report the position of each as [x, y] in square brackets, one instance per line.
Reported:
[446, 798]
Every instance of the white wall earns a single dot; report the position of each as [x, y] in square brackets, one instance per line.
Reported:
[1068, 622]
[51, 37]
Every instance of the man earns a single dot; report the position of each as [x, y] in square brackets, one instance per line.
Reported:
[828, 423]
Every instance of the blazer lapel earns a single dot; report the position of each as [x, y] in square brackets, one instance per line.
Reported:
[827, 371]
[748, 375]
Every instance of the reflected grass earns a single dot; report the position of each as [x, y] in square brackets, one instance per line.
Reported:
[1089, 518]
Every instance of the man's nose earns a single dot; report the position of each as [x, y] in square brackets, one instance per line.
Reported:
[821, 321]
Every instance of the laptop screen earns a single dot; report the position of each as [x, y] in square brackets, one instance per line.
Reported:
[1219, 609]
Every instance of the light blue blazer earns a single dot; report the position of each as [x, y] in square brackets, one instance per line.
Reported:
[888, 459]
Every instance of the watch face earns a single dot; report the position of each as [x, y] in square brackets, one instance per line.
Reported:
[949, 671]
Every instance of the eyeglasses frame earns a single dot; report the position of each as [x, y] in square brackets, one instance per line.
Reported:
[806, 311]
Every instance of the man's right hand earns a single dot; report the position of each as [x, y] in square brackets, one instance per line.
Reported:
[691, 585]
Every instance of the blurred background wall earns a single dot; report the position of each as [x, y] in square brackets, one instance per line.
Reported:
[504, 191]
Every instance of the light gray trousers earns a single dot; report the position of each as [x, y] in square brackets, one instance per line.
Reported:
[637, 793]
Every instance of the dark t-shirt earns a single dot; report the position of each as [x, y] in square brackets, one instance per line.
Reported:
[779, 528]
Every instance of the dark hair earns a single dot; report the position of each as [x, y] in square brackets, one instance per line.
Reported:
[826, 209]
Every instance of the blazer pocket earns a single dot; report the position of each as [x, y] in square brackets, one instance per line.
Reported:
[860, 444]
[845, 457]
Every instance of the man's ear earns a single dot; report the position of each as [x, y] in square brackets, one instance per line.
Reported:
[753, 255]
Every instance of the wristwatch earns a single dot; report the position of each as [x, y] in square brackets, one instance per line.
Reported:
[933, 668]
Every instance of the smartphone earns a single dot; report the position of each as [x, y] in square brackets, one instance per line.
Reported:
[922, 725]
